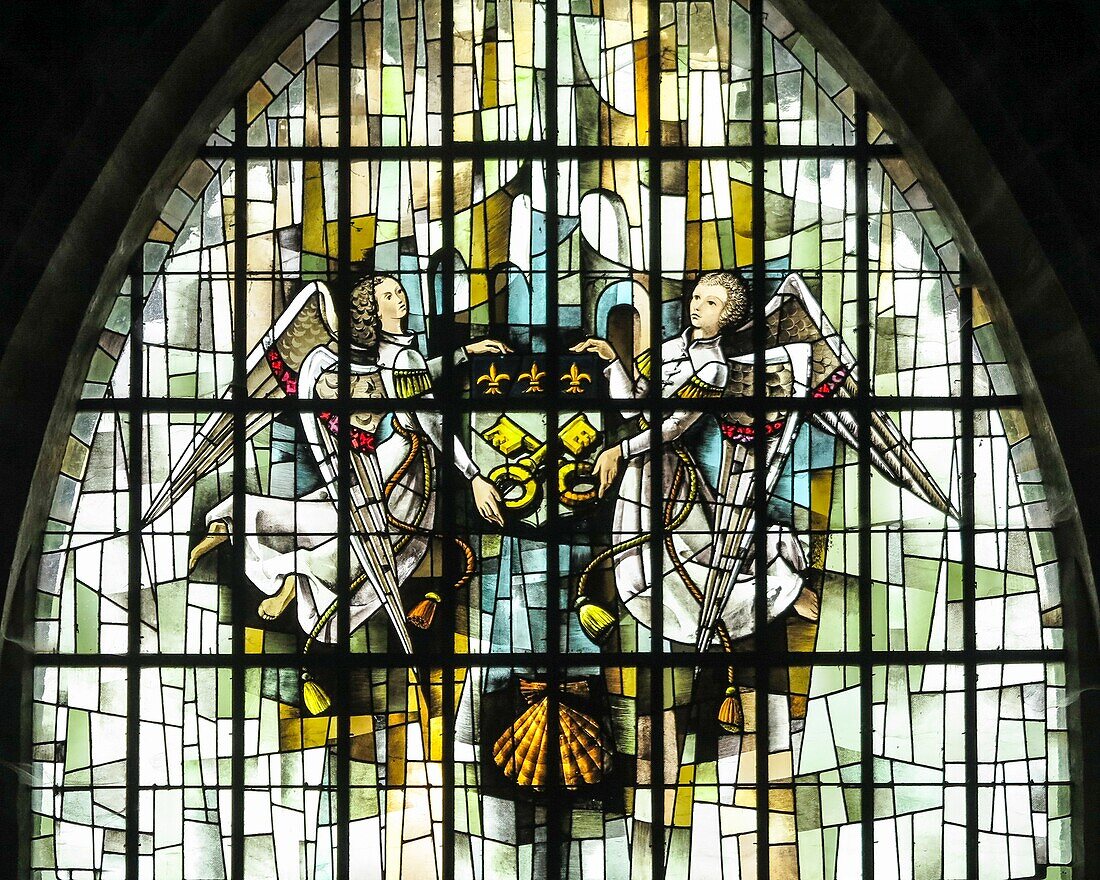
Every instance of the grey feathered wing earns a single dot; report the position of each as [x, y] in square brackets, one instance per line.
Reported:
[271, 369]
[804, 357]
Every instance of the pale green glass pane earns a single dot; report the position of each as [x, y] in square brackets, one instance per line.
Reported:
[78, 768]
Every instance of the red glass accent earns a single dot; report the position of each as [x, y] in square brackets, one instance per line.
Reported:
[746, 433]
[830, 385]
[361, 441]
[285, 376]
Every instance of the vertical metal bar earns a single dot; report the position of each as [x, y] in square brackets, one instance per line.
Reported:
[864, 369]
[450, 403]
[239, 398]
[133, 597]
[343, 445]
[555, 811]
[969, 583]
[453, 410]
[656, 447]
[760, 441]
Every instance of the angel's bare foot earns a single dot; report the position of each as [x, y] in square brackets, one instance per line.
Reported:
[273, 607]
[218, 535]
[807, 605]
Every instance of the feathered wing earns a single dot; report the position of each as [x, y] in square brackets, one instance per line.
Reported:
[786, 366]
[272, 369]
[804, 357]
[794, 316]
[371, 541]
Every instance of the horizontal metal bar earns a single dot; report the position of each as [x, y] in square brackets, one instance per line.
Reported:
[403, 786]
[545, 150]
[564, 402]
[674, 660]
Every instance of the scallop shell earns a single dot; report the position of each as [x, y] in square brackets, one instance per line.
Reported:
[521, 751]
[584, 757]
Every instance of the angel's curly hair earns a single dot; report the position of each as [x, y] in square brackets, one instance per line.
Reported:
[366, 325]
[737, 295]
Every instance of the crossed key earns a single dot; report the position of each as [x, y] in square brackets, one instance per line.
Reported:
[517, 481]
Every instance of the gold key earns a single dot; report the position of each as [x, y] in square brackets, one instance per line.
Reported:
[519, 488]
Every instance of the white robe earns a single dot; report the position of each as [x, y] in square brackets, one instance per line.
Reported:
[685, 360]
[298, 536]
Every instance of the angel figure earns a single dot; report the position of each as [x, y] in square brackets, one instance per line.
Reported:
[291, 544]
[708, 565]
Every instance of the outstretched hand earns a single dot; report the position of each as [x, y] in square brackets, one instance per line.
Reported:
[607, 468]
[597, 346]
[488, 346]
[487, 500]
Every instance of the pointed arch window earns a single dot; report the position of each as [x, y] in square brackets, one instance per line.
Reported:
[410, 518]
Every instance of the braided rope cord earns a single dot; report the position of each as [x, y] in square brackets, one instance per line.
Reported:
[410, 529]
[630, 543]
[469, 560]
[672, 522]
[685, 464]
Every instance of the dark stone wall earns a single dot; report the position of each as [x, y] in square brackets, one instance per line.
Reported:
[75, 74]
[1027, 74]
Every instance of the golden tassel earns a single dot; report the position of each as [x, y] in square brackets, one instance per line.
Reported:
[423, 612]
[596, 621]
[314, 696]
[730, 716]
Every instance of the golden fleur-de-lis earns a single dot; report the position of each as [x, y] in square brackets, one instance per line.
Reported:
[494, 379]
[534, 378]
[575, 378]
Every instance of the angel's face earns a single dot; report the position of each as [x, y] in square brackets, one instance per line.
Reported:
[393, 305]
[708, 302]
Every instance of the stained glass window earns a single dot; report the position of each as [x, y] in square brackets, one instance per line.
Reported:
[412, 516]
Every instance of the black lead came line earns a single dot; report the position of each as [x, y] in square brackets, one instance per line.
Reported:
[239, 396]
[343, 444]
[774, 659]
[201, 407]
[133, 593]
[863, 496]
[657, 696]
[969, 569]
[539, 149]
[452, 415]
[556, 811]
[761, 682]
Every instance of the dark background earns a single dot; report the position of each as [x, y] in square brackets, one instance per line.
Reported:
[1026, 72]
[74, 74]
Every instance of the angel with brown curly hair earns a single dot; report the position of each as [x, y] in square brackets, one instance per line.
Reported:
[291, 543]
